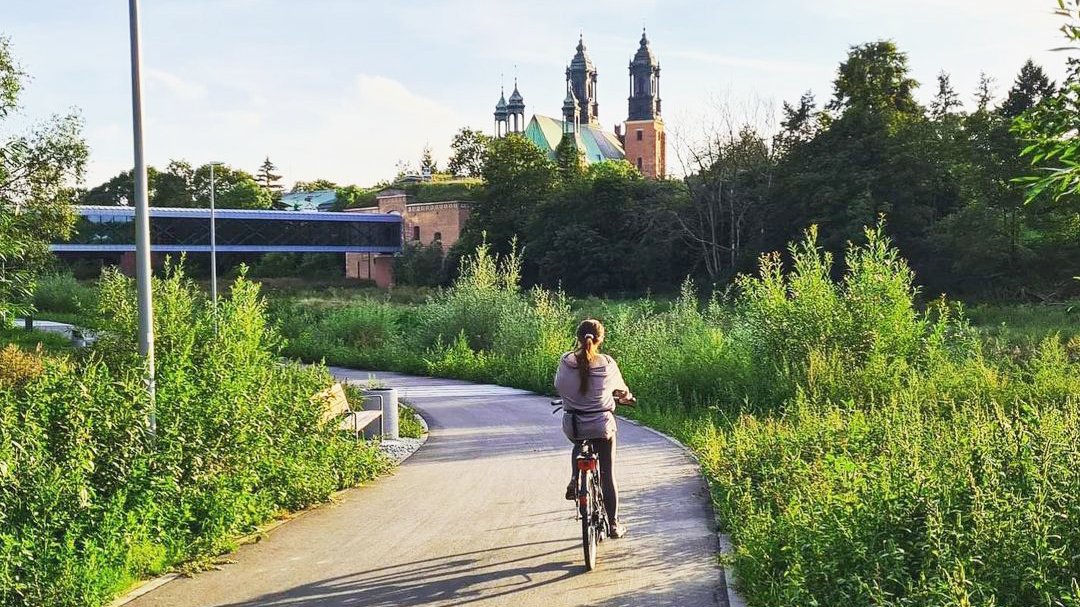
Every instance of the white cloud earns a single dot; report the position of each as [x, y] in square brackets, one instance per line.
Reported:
[185, 90]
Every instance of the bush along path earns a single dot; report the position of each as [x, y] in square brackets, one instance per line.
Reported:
[862, 447]
[90, 502]
[477, 517]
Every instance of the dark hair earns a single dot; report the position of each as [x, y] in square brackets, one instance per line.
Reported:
[589, 335]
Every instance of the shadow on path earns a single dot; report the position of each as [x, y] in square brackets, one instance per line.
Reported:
[458, 579]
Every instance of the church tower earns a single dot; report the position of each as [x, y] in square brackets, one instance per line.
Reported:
[581, 76]
[516, 111]
[501, 114]
[644, 140]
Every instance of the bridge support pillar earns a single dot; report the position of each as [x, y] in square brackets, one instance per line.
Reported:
[127, 262]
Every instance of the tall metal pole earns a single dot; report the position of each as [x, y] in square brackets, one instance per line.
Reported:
[142, 220]
[213, 248]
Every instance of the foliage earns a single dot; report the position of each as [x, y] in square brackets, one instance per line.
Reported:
[860, 450]
[467, 150]
[606, 231]
[89, 502]
[62, 293]
[309, 265]
[18, 367]
[409, 424]
[36, 170]
[517, 178]
[427, 162]
[267, 179]
[183, 186]
[420, 265]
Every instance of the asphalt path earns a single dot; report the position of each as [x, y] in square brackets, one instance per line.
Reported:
[477, 517]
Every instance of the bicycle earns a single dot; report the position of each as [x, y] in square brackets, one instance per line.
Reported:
[595, 525]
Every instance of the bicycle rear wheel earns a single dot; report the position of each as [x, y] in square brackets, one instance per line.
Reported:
[588, 523]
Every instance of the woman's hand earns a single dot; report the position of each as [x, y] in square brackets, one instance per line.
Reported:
[623, 397]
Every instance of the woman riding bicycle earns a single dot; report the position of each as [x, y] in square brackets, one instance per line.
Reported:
[591, 385]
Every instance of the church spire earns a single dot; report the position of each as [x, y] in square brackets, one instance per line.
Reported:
[644, 83]
[501, 114]
[516, 110]
[581, 77]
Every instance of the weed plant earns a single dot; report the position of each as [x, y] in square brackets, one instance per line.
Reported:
[861, 451]
[90, 501]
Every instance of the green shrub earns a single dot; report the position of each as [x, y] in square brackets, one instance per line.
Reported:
[89, 501]
[861, 451]
[62, 293]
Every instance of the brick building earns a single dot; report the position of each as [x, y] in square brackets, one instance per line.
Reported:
[422, 223]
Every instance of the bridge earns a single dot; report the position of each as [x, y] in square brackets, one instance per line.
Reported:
[108, 232]
[107, 229]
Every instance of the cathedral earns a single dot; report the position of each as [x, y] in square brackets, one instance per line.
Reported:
[639, 140]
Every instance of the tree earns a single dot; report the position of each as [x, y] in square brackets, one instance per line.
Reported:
[799, 124]
[467, 153]
[569, 159]
[725, 218]
[1051, 130]
[879, 155]
[427, 162]
[946, 101]
[234, 189]
[517, 177]
[268, 180]
[984, 92]
[310, 186]
[874, 78]
[606, 232]
[1031, 87]
[36, 172]
[173, 187]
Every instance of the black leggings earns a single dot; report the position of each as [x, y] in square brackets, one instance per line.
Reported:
[605, 448]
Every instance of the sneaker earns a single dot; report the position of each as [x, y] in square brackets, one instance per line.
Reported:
[571, 491]
[616, 531]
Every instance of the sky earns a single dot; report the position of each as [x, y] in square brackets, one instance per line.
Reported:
[346, 89]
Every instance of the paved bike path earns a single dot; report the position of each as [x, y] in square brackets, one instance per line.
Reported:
[477, 517]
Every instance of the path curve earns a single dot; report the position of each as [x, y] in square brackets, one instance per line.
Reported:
[477, 517]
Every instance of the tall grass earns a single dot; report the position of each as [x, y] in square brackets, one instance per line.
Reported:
[861, 451]
[89, 501]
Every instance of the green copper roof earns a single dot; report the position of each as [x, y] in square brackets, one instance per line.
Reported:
[597, 144]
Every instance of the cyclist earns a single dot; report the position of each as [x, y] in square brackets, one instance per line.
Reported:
[590, 385]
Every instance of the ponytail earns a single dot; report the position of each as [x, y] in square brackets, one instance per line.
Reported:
[589, 335]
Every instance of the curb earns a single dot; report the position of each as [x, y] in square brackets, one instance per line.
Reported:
[728, 597]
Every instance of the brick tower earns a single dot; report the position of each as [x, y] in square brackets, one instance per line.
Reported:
[644, 139]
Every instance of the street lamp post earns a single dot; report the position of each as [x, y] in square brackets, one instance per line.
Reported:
[142, 220]
[213, 245]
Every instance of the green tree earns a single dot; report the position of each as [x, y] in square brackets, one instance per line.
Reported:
[1031, 87]
[174, 186]
[268, 179]
[310, 186]
[36, 173]
[875, 78]
[569, 159]
[234, 189]
[946, 101]
[1051, 129]
[878, 155]
[606, 232]
[517, 177]
[427, 162]
[467, 153]
[726, 218]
